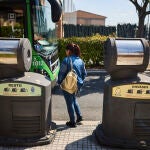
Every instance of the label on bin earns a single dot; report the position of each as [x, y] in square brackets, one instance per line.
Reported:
[133, 91]
[19, 89]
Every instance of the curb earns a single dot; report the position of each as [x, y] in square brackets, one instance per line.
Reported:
[96, 71]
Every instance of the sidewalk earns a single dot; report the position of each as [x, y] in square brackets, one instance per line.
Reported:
[79, 138]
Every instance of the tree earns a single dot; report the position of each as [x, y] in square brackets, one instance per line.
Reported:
[142, 13]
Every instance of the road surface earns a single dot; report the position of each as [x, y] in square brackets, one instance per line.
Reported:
[90, 100]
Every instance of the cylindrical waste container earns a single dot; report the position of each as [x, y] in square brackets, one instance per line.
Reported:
[15, 57]
[124, 58]
[25, 110]
[126, 101]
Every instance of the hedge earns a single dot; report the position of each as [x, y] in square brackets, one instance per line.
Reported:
[91, 49]
[121, 30]
[87, 30]
[6, 31]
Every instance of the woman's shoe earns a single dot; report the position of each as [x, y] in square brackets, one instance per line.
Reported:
[79, 119]
[71, 124]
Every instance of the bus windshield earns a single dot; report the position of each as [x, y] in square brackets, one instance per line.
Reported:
[11, 19]
[44, 28]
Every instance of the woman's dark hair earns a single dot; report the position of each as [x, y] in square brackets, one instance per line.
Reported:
[74, 48]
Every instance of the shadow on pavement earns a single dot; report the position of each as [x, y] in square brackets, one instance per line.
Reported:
[147, 73]
[86, 143]
[61, 127]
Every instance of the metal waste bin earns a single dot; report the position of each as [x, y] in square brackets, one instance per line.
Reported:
[25, 98]
[25, 110]
[126, 102]
[15, 57]
[124, 58]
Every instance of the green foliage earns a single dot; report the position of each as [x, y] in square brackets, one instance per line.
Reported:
[85, 30]
[121, 30]
[126, 30]
[91, 49]
[7, 31]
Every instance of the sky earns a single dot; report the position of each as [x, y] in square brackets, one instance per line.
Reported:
[116, 11]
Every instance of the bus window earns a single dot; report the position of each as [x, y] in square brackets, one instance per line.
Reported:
[11, 20]
[44, 28]
[45, 41]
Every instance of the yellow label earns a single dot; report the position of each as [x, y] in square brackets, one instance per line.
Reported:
[133, 91]
[19, 89]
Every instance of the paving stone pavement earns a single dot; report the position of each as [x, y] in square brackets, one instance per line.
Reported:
[80, 138]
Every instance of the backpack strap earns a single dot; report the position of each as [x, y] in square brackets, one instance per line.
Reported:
[71, 64]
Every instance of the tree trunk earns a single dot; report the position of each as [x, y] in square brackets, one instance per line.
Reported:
[140, 31]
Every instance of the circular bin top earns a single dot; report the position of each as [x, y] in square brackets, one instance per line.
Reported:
[124, 58]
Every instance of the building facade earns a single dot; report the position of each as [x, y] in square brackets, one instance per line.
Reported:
[71, 16]
[69, 12]
[68, 16]
[87, 18]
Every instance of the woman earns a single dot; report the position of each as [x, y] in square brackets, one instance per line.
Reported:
[73, 53]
